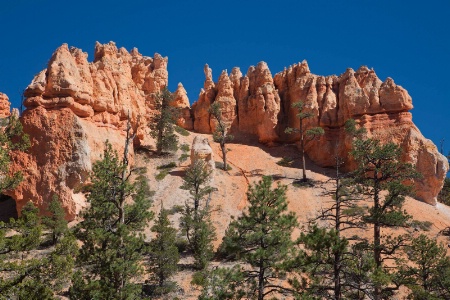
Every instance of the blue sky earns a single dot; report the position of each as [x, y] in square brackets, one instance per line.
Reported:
[406, 40]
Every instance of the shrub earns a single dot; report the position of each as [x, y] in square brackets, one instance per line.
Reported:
[170, 165]
[182, 131]
[285, 161]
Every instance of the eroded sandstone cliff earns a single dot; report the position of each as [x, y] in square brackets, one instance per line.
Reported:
[260, 104]
[73, 107]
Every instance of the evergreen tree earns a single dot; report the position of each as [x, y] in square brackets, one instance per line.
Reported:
[261, 237]
[304, 132]
[56, 222]
[428, 264]
[112, 231]
[325, 248]
[163, 122]
[11, 138]
[29, 273]
[196, 217]
[223, 284]
[164, 254]
[220, 135]
[379, 168]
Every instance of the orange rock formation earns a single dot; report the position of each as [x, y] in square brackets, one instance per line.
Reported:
[4, 106]
[73, 107]
[261, 105]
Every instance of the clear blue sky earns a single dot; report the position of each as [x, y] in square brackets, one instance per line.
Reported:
[406, 40]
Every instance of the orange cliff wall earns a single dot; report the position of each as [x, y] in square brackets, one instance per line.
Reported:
[72, 107]
[259, 104]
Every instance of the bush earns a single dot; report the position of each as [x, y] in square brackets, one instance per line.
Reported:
[285, 161]
[161, 175]
[219, 165]
[181, 244]
[170, 165]
[419, 225]
[182, 131]
[183, 157]
[185, 148]
[175, 209]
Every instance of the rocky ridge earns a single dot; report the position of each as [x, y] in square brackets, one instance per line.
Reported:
[74, 106]
[260, 104]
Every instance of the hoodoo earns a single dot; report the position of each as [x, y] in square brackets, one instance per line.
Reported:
[74, 106]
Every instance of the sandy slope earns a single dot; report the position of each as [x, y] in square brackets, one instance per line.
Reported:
[249, 162]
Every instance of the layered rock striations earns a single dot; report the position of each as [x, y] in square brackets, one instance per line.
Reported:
[73, 107]
[260, 104]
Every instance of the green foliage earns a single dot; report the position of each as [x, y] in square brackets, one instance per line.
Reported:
[182, 131]
[428, 264]
[164, 254]
[379, 168]
[11, 138]
[196, 217]
[170, 165]
[111, 232]
[219, 165]
[56, 222]
[26, 272]
[444, 194]
[162, 126]
[185, 155]
[419, 225]
[285, 161]
[261, 237]
[161, 175]
[304, 132]
[220, 135]
[185, 148]
[221, 284]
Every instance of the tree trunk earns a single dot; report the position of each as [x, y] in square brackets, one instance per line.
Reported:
[224, 155]
[376, 234]
[337, 255]
[302, 145]
[261, 280]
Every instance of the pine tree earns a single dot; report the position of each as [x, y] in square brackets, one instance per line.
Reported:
[379, 168]
[28, 273]
[428, 263]
[196, 217]
[304, 132]
[11, 138]
[112, 230]
[163, 122]
[261, 238]
[221, 134]
[56, 222]
[164, 254]
[326, 249]
[223, 284]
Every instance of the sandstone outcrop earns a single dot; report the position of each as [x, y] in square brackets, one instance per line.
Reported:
[73, 107]
[4, 106]
[264, 108]
[181, 100]
[201, 150]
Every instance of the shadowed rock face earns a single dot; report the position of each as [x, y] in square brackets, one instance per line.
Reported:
[260, 104]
